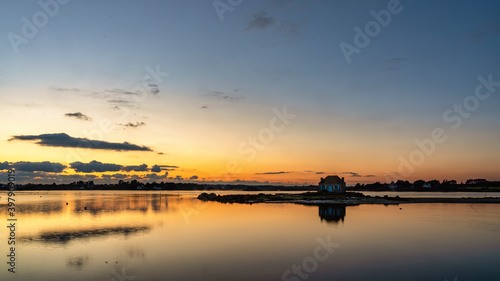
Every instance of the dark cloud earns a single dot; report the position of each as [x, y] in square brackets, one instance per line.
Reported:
[167, 166]
[319, 173]
[95, 166]
[156, 169]
[79, 115]
[4, 166]
[177, 178]
[23, 166]
[151, 86]
[132, 125]
[160, 153]
[204, 107]
[357, 175]
[140, 168]
[193, 177]
[64, 140]
[272, 173]
[260, 21]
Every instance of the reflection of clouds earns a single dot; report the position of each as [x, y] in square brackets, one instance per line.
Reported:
[94, 205]
[119, 203]
[65, 237]
[77, 262]
[44, 207]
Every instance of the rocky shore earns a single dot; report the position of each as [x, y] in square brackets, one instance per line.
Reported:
[347, 198]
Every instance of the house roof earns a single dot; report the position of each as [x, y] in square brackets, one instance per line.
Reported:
[332, 180]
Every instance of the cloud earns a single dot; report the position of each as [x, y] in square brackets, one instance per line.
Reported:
[260, 21]
[193, 177]
[167, 166]
[79, 115]
[319, 173]
[486, 28]
[74, 90]
[224, 96]
[122, 92]
[357, 175]
[140, 168]
[290, 29]
[177, 178]
[396, 60]
[24, 166]
[132, 125]
[4, 166]
[64, 140]
[272, 173]
[394, 63]
[204, 107]
[156, 169]
[95, 166]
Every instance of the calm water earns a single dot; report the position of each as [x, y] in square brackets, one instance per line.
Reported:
[116, 236]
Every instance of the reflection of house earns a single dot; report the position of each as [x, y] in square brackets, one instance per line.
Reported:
[332, 184]
[332, 213]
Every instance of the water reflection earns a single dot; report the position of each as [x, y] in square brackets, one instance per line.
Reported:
[77, 263]
[332, 213]
[66, 236]
[136, 202]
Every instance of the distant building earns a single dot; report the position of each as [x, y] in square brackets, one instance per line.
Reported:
[332, 184]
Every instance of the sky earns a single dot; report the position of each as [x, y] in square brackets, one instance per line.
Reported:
[239, 91]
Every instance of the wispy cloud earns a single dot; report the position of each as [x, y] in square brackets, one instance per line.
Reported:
[259, 21]
[79, 115]
[64, 140]
[225, 96]
[132, 125]
[357, 175]
[394, 63]
[69, 90]
[486, 28]
[272, 173]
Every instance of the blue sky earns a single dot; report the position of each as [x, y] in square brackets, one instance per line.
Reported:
[225, 77]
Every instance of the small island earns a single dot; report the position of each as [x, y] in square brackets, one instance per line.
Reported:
[345, 198]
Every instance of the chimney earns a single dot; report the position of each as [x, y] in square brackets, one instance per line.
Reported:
[322, 179]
